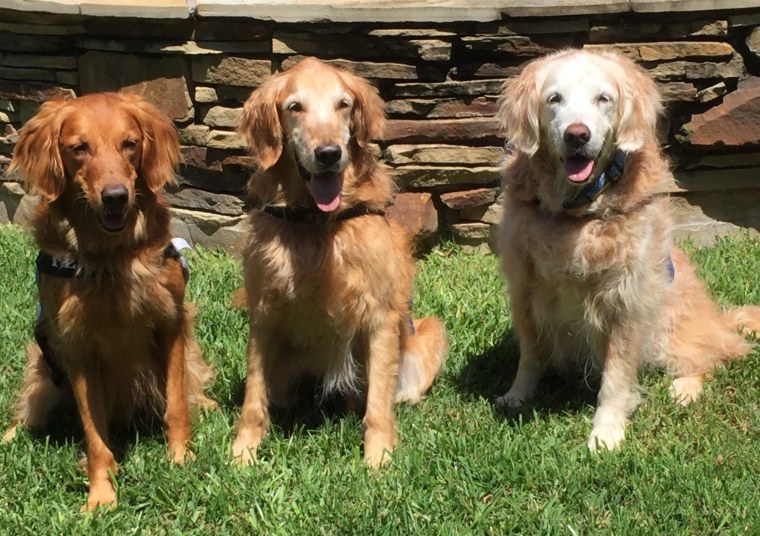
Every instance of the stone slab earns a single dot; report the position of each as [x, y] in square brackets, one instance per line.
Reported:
[230, 70]
[148, 9]
[732, 123]
[70, 7]
[433, 176]
[666, 6]
[438, 154]
[353, 10]
[161, 80]
[368, 69]
[442, 108]
[416, 213]
[214, 231]
[441, 131]
[355, 46]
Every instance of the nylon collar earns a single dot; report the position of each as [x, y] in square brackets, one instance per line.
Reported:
[611, 174]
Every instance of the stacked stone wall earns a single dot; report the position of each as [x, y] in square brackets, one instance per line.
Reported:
[440, 81]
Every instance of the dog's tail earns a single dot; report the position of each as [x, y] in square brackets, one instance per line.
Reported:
[745, 319]
[421, 359]
[198, 373]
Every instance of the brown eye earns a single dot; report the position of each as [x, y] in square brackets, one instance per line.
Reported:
[343, 104]
[80, 148]
[129, 145]
[603, 98]
[554, 98]
[295, 107]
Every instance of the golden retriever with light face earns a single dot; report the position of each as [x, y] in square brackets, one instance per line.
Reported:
[113, 333]
[594, 280]
[328, 279]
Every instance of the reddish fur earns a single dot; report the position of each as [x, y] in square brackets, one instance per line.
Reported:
[120, 331]
[329, 300]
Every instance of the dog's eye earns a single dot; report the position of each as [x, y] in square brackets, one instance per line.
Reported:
[295, 107]
[80, 148]
[343, 104]
[603, 98]
[554, 98]
[129, 145]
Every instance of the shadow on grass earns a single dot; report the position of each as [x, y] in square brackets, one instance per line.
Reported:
[65, 429]
[489, 375]
[308, 412]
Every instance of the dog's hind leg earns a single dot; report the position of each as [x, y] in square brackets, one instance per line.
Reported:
[421, 359]
[39, 396]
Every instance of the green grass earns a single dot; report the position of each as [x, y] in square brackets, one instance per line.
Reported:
[460, 467]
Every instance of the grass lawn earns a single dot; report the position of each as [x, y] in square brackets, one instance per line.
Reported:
[460, 467]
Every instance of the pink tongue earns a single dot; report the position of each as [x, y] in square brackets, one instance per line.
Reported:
[578, 168]
[325, 189]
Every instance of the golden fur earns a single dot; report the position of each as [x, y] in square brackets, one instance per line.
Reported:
[118, 329]
[590, 286]
[327, 298]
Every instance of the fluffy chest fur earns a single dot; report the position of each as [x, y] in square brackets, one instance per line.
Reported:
[109, 313]
[324, 289]
[586, 273]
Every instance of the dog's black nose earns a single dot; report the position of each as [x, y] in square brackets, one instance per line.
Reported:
[577, 135]
[327, 155]
[114, 195]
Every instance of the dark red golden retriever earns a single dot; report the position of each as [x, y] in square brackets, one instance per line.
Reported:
[328, 279]
[113, 331]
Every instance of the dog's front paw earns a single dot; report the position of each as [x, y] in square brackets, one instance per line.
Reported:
[606, 437]
[101, 495]
[378, 446]
[178, 453]
[244, 451]
[509, 400]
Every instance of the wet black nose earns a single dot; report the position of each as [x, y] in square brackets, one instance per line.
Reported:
[327, 155]
[114, 196]
[577, 135]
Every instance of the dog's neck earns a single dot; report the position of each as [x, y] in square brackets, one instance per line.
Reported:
[536, 180]
[66, 231]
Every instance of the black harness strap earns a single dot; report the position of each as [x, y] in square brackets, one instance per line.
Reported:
[67, 268]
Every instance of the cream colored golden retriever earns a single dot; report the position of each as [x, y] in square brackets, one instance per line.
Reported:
[113, 332]
[328, 279]
[594, 279]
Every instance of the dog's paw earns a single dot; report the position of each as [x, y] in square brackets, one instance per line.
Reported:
[10, 434]
[243, 454]
[509, 400]
[100, 496]
[376, 457]
[686, 389]
[378, 446]
[178, 454]
[606, 437]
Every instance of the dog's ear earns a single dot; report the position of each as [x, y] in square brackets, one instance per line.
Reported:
[519, 109]
[368, 113]
[36, 154]
[260, 123]
[160, 147]
[639, 107]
